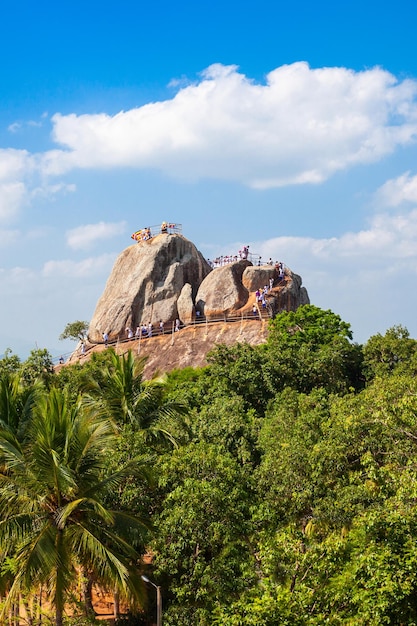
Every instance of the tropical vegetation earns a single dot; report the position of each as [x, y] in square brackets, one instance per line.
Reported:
[276, 486]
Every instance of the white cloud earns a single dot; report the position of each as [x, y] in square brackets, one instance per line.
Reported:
[16, 280]
[12, 196]
[49, 191]
[87, 268]
[83, 237]
[397, 191]
[22, 180]
[299, 127]
[13, 128]
[389, 239]
[14, 164]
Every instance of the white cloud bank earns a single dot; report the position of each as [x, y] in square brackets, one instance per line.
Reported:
[398, 191]
[87, 269]
[301, 126]
[388, 240]
[84, 237]
[367, 277]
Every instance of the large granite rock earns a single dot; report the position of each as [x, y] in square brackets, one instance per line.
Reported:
[167, 278]
[145, 284]
[222, 291]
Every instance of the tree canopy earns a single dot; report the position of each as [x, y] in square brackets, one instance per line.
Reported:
[75, 330]
[276, 485]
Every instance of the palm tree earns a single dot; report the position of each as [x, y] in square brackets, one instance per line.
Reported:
[16, 402]
[53, 515]
[130, 400]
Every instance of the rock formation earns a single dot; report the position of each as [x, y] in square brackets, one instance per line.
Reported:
[145, 284]
[167, 278]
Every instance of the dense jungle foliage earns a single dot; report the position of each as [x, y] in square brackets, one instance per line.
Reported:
[276, 486]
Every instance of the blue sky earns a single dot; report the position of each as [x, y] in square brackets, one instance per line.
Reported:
[291, 127]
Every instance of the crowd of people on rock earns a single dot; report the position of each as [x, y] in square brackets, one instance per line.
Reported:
[147, 330]
[229, 258]
[243, 254]
[142, 235]
[146, 233]
[260, 294]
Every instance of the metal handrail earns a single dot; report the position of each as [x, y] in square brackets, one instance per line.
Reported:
[147, 233]
[157, 332]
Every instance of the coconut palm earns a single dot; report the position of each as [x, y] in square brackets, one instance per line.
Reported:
[16, 402]
[54, 520]
[129, 399]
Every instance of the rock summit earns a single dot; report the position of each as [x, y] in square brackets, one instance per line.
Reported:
[166, 278]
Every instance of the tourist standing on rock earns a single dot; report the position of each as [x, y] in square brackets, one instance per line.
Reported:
[177, 325]
[164, 228]
[150, 329]
[105, 339]
[137, 332]
[161, 327]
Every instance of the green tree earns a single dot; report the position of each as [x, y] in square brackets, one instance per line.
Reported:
[38, 367]
[75, 330]
[16, 403]
[311, 348]
[244, 370]
[393, 352]
[129, 399]
[202, 542]
[53, 488]
[10, 362]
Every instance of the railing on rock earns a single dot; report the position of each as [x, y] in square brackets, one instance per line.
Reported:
[167, 228]
[261, 315]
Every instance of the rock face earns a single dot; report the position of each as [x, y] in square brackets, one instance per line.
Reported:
[145, 284]
[289, 296]
[167, 278]
[185, 305]
[256, 277]
[222, 291]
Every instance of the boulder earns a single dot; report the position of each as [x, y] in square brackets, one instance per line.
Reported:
[185, 305]
[288, 296]
[257, 277]
[222, 292]
[145, 284]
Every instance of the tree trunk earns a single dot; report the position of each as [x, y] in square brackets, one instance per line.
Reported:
[87, 591]
[58, 615]
[116, 599]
